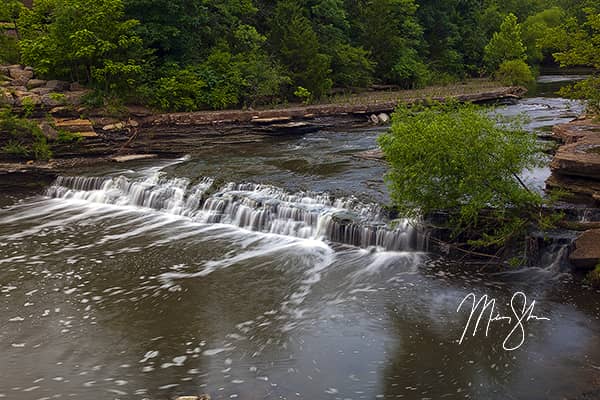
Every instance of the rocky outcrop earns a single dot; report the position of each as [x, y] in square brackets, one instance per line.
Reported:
[576, 169]
[19, 88]
[587, 250]
[576, 164]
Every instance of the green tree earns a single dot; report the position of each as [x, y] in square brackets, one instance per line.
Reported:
[175, 29]
[389, 30]
[457, 159]
[536, 29]
[507, 44]
[580, 43]
[85, 40]
[297, 45]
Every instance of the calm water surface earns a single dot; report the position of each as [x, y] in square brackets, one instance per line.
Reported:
[165, 279]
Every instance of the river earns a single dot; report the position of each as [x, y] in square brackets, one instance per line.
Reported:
[269, 271]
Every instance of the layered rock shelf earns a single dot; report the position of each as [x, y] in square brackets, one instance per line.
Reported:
[576, 169]
[576, 164]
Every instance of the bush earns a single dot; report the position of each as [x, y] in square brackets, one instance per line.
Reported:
[514, 72]
[23, 138]
[455, 158]
[588, 90]
[303, 94]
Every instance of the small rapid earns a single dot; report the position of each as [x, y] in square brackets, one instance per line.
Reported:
[249, 206]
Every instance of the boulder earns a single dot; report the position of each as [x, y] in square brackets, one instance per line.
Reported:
[41, 91]
[35, 83]
[587, 250]
[76, 87]
[48, 130]
[58, 86]
[19, 74]
[374, 119]
[383, 118]
[52, 100]
[62, 111]
[24, 98]
[75, 98]
[6, 98]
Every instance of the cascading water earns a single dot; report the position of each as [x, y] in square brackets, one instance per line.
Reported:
[255, 207]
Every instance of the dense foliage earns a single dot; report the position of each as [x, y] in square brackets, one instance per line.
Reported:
[580, 46]
[457, 159]
[201, 54]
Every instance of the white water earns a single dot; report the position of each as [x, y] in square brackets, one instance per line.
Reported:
[254, 207]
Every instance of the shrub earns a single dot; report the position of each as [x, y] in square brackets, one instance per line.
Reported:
[303, 94]
[457, 159]
[23, 137]
[588, 90]
[514, 72]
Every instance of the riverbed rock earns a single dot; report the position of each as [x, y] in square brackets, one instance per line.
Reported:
[132, 157]
[375, 154]
[383, 118]
[587, 250]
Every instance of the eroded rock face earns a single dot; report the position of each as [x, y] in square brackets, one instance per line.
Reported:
[576, 164]
[587, 250]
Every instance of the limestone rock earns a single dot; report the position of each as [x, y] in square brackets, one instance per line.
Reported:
[383, 118]
[19, 74]
[6, 98]
[24, 98]
[35, 83]
[41, 91]
[82, 127]
[375, 154]
[53, 99]
[132, 157]
[581, 158]
[75, 98]
[76, 87]
[587, 250]
[58, 86]
[48, 130]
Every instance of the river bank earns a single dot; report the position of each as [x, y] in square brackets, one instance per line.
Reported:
[131, 132]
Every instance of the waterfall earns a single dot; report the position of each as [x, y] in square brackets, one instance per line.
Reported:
[255, 207]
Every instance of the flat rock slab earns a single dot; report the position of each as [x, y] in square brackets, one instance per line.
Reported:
[132, 157]
[581, 158]
[575, 130]
[82, 127]
[587, 250]
[375, 154]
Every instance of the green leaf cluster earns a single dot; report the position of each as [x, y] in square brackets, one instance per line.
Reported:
[459, 160]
